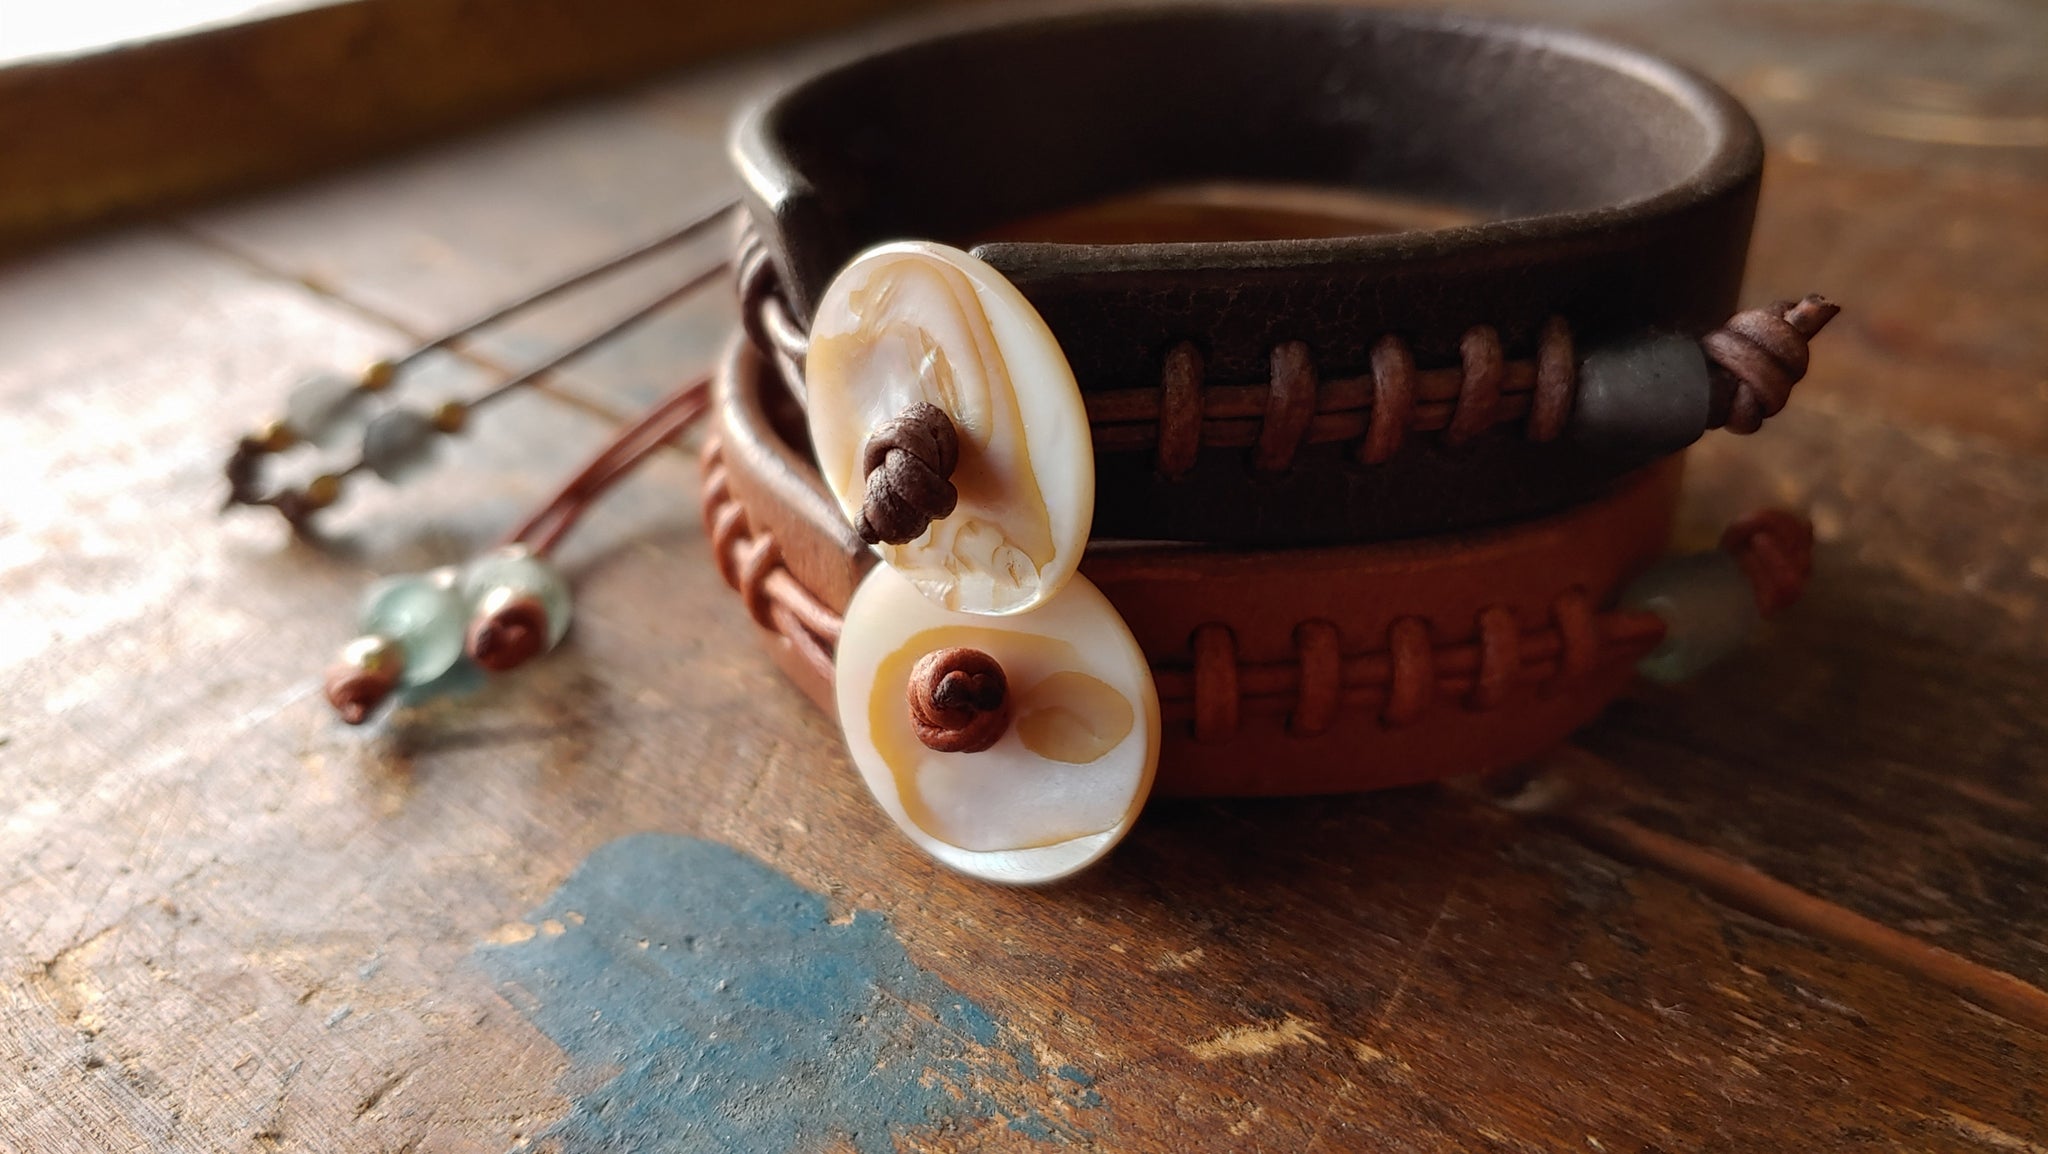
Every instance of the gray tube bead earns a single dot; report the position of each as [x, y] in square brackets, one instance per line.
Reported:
[1644, 397]
[399, 444]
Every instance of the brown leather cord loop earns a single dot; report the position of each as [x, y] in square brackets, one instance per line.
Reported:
[1760, 354]
[1322, 672]
[1775, 550]
[763, 312]
[1412, 684]
[1216, 692]
[1483, 362]
[728, 527]
[1500, 658]
[757, 558]
[815, 652]
[754, 279]
[1557, 375]
[1393, 400]
[1290, 402]
[715, 487]
[1578, 635]
[1180, 410]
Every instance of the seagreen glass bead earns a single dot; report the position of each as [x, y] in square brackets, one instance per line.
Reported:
[520, 572]
[422, 612]
[400, 444]
[325, 408]
[1708, 608]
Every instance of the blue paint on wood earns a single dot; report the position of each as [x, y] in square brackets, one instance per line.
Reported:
[731, 1014]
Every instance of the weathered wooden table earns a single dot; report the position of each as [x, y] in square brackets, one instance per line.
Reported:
[634, 899]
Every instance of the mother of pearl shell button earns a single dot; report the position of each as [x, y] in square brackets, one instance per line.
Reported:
[916, 321]
[1066, 778]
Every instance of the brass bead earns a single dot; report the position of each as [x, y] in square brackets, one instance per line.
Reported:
[322, 491]
[450, 416]
[374, 653]
[377, 376]
[275, 437]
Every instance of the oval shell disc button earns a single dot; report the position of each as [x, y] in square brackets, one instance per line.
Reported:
[1068, 765]
[915, 321]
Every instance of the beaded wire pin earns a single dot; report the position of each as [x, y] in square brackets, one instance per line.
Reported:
[437, 632]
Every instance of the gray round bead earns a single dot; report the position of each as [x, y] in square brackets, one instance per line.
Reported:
[324, 408]
[399, 444]
[1644, 397]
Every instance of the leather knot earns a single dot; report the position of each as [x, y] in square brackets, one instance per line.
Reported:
[907, 463]
[509, 635]
[959, 700]
[1775, 550]
[1760, 354]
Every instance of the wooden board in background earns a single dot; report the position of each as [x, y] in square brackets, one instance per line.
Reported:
[132, 128]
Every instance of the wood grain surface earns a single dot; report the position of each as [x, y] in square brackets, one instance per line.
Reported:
[635, 897]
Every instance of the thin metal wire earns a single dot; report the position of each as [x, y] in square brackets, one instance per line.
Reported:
[660, 302]
[693, 228]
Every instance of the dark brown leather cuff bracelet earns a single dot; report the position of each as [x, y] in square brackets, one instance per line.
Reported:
[1325, 388]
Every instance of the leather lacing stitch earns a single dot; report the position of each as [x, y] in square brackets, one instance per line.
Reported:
[1411, 675]
[1755, 358]
[1403, 681]
[751, 563]
[1378, 409]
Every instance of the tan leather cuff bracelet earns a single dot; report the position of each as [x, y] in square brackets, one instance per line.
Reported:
[1282, 672]
[1559, 317]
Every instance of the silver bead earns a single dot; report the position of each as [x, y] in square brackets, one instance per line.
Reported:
[399, 444]
[1642, 398]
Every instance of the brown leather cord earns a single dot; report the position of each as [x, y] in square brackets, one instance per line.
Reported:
[1322, 678]
[1578, 632]
[659, 426]
[1775, 550]
[1482, 368]
[1393, 400]
[1215, 690]
[1290, 402]
[1180, 409]
[764, 313]
[1557, 366]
